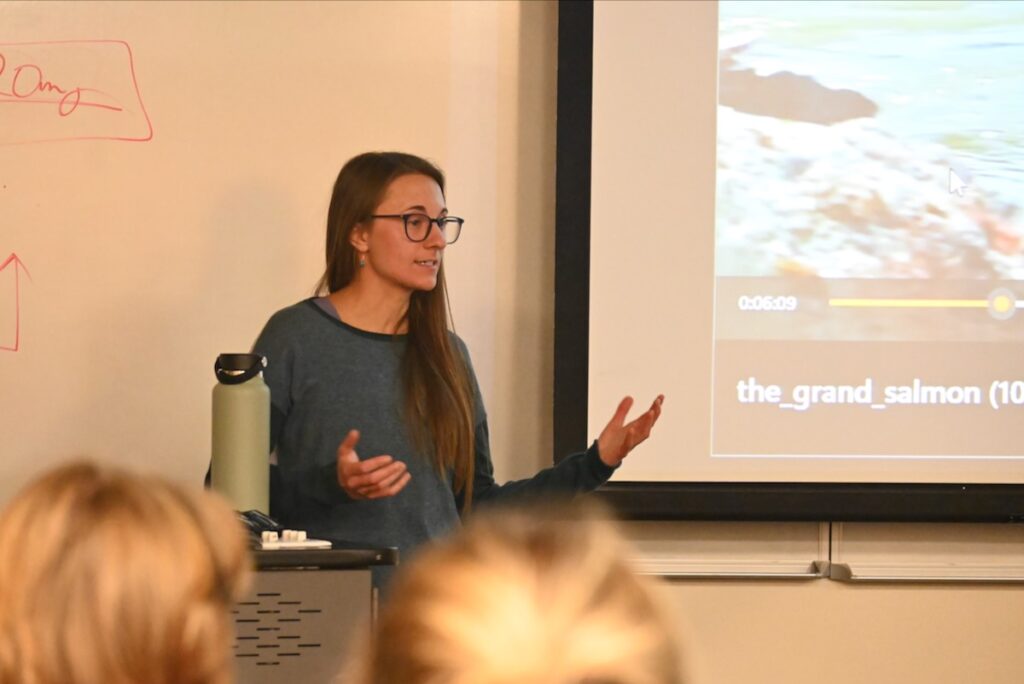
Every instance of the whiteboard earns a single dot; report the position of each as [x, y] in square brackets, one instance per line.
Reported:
[165, 171]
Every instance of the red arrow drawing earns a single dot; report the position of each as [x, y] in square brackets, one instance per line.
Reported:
[19, 266]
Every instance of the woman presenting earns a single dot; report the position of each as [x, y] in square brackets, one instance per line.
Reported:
[378, 426]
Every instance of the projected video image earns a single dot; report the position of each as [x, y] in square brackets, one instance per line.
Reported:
[869, 245]
[871, 151]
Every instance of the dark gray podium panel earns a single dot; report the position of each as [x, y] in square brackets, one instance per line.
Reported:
[297, 625]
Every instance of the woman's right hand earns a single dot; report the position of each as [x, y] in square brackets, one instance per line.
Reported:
[374, 478]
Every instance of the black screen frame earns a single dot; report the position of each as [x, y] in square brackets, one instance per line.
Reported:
[750, 501]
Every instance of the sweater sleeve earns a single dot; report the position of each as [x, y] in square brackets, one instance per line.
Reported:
[575, 474]
[318, 482]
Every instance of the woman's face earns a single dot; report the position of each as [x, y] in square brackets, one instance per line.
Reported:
[390, 256]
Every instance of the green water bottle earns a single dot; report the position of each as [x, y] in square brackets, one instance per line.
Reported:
[239, 466]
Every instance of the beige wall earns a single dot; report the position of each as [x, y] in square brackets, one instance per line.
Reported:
[501, 165]
[807, 632]
[526, 270]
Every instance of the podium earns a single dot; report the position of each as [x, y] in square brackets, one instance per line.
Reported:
[303, 612]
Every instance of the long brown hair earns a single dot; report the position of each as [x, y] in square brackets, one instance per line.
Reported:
[438, 395]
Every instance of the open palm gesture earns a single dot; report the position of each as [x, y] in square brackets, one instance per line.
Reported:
[619, 437]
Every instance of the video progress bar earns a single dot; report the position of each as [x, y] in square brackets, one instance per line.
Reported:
[913, 303]
[1000, 303]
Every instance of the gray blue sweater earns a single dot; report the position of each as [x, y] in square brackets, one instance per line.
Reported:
[326, 378]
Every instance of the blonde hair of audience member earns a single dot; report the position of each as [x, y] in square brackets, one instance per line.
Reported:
[113, 578]
[544, 597]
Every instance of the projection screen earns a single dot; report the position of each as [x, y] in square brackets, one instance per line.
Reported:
[805, 230]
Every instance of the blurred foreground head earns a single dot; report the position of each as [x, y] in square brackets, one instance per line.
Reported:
[545, 597]
[117, 578]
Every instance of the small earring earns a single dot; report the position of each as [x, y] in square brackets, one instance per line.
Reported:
[362, 261]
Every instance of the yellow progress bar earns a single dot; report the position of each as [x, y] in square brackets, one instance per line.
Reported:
[912, 303]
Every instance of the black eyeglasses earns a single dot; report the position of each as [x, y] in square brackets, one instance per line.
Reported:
[417, 226]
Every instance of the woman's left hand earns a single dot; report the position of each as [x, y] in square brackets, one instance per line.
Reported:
[618, 437]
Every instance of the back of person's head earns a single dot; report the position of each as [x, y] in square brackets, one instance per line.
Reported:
[114, 578]
[543, 597]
